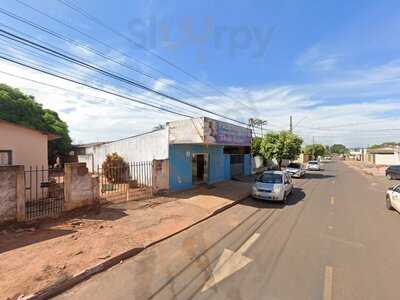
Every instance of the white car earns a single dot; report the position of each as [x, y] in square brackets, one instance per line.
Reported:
[273, 185]
[296, 170]
[313, 165]
[393, 198]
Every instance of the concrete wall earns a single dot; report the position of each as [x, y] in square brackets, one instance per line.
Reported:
[28, 146]
[145, 147]
[188, 131]
[180, 174]
[385, 159]
[160, 175]
[12, 193]
[80, 187]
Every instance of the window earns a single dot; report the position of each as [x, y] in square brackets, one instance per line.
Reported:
[271, 178]
[294, 165]
[5, 157]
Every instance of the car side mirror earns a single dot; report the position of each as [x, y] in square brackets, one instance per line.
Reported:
[391, 188]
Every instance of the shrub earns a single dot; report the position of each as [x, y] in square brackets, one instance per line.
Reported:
[115, 169]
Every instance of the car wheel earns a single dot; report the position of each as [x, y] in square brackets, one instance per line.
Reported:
[389, 176]
[285, 199]
[388, 203]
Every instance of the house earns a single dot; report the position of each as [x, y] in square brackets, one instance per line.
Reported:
[192, 151]
[384, 156]
[21, 145]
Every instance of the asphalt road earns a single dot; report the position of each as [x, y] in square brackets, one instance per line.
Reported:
[334, 240]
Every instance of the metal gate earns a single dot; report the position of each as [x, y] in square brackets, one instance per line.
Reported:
[126, 181]
[237, 165]
[44, 192]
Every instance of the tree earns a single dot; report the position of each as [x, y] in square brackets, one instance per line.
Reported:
[280, 146]
[115, 169]
[338, 149]
[22, 109]
[315, 150]
[256, 146]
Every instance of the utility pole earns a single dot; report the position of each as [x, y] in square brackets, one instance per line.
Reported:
[313, 147]
[291, 124]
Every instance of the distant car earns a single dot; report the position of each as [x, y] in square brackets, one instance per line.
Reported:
[393, 172]
[296, 170]
[326, 159]
[313, 165]
[273, 185]
[393, 198]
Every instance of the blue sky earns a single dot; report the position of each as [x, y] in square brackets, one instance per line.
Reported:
[334, 66]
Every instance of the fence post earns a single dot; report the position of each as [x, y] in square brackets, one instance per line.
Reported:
[20, 192]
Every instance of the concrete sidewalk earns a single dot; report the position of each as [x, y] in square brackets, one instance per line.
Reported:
[34, 259]
[367, 168]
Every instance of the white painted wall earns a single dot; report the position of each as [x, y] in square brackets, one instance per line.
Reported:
[188, 131]
[385, 159]
[145, 147]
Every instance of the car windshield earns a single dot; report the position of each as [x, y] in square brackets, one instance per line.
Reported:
[271, 178]
[294, 166]
[312, 162]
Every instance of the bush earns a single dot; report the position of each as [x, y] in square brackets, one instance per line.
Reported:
[115, 169]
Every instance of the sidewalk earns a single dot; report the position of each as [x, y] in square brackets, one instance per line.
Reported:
[33, 259]
[367, 168]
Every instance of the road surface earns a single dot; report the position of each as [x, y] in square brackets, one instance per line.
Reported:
[334, 240]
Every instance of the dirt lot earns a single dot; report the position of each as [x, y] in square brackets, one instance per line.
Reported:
[35, 257]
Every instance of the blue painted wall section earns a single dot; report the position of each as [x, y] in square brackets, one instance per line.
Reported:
[247, 164]
[180, 168]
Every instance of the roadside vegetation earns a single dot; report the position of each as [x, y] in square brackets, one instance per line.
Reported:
[20, 108]
[282, 145]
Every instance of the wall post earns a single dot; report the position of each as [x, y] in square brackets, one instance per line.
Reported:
[20, 192]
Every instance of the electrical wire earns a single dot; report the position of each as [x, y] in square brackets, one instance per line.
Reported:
[117, 76]
[91, 86]
[94, 19]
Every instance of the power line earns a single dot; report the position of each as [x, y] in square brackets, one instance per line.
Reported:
[73, 91]
[92, 87]
[94, 19]
[76, 43]
[78, 75]
[105, 72]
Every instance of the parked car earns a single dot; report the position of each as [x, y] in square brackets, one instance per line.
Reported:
[393, 198]
[273, 185]
[393, 172]
[296, 170]
[313, 165]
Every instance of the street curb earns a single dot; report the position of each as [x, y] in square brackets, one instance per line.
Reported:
[60, 287]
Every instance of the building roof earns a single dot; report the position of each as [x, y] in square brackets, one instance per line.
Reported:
[383, 150]
[50, 136]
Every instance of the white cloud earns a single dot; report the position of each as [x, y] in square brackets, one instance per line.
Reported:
[318, 58]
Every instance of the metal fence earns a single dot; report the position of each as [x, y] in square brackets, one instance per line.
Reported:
[126, 181]
[44, 192]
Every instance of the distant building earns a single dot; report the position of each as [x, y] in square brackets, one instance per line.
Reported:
[384, 156]
[199, 150]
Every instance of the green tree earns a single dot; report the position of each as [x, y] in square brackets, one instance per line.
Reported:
[315, 150]
[338, 149]
[280, 146]
[256, 145]
[19, 108]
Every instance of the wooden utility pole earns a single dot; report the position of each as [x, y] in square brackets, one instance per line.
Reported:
[291, 124]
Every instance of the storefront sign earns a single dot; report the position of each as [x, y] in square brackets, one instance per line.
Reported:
[217, 132]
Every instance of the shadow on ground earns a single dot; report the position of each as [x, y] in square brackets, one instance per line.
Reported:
[13, 241]
[317, 176]
[296, 196]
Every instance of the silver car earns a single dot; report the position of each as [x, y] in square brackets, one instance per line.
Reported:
[296, 170]
[393, 198]
[273, 185]
[313, 165]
